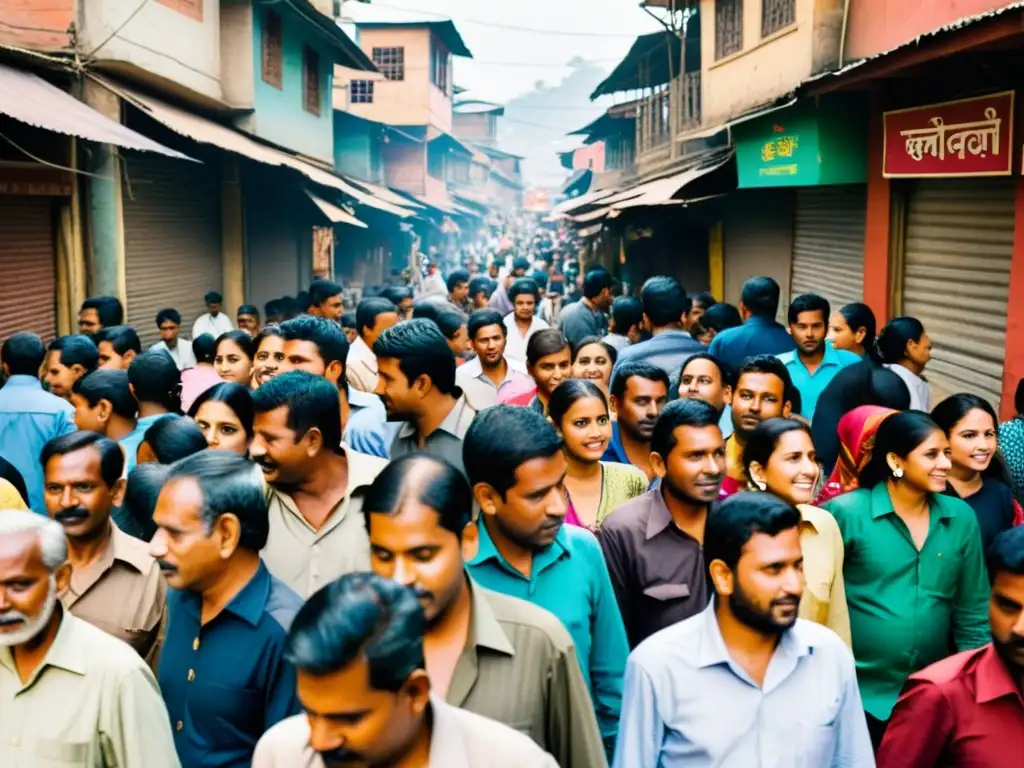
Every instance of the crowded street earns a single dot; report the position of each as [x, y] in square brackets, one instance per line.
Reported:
[335, 434]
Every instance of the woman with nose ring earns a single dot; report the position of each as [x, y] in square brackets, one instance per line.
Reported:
[579, 410]
[779, 458]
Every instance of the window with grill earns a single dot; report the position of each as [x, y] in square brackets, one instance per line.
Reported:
[311, 80]
[361, 91]
[776, 15]
[391, 62]
[728, 27]
[272, 69]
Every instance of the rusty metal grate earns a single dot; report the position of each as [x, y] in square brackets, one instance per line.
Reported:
[776, 15]
[728, 27]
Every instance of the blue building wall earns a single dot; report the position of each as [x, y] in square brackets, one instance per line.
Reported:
[356, 148]
[280, 115]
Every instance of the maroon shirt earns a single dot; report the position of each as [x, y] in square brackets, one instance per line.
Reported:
[962, 712]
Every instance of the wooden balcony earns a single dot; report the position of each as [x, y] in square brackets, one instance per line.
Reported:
[654, 128]
[687, 88]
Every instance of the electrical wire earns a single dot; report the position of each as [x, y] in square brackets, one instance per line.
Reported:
[123, 24]
[27, 28]
[79, 171]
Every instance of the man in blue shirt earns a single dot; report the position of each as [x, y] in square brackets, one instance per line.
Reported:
[222, 671]
[29, 417]
[745, 682]
[759, 334]
[514, 461]
[155, 382]
[814, 362]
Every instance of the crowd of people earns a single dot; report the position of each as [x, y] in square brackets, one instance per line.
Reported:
[506, 517]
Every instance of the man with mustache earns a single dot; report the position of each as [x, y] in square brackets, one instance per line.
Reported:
[745, 682]
[115, 584]
[358, 646]
[653, 543]
[487, 653]
[316, 483]
[222, 672]
[966, 710]
[70, 693]
[516, 467]
[639, 392]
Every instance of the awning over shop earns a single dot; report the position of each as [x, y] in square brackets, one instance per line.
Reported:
[590, 231]
[665, 191]
[334, 213]
[577, 203]
[206, 131]
[579, 182]
[661, 51]
[30, 99]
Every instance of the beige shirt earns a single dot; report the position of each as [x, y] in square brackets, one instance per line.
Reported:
[824, 600]
[305, 558]
[92, 702]
[361, 366]
[458, 739]
[123, 593]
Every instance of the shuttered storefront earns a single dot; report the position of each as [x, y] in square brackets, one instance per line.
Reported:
[757, 239]
[959, 242]
[828, 242]
[172, 240]
[277, 263]
[28, 266]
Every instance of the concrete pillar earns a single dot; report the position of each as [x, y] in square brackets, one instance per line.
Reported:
[716, 262]
[1013, 361]
[232, 240]
[877, 250]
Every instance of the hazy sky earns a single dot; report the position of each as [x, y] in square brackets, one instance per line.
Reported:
[507, 62]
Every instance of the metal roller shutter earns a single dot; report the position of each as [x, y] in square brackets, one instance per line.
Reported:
[828, 243]
[273, 268]
[28, 266]
[959, 244]
[758, 240]
[172, 237]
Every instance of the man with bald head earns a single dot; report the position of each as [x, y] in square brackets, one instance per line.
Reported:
[61, 675]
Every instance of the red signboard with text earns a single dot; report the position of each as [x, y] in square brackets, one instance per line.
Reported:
[970, 137]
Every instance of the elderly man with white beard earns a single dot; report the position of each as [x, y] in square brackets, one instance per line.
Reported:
[69, 693]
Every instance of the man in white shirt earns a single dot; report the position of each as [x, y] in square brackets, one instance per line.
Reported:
[374, 315]
[214, 322]
[180, 350]
[522, 322]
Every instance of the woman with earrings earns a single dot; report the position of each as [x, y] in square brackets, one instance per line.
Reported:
[914, 566]
[779, 458]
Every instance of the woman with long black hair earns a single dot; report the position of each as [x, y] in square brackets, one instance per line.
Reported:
[852, 327]
[905, 348]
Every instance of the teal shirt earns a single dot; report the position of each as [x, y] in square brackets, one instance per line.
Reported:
[569, 578]
[906, 604]
[812, 385]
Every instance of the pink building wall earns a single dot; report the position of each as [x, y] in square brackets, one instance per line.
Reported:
[589, 156]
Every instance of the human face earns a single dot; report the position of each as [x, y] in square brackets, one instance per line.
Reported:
[401, 398]
[524, 306]
[480, 300]
[702, 380]
[809, 332]
[459, 343]
[232, 363]
[112, 361]
[533, 510]
[76, 495]
[759, 396]
[88, 321]
[169, 332]
[305, 356]
[695, 313]
[768, 582]
[405, 307]
[693, 470]
[213, 307]
[91, 418]
[332, 308]
[641, 404]
[284, 457]
[551, 370]
[249, 323]
[843, 336]
[381, 323]
[973, 442]
[222, 428]
[702, 334]
[28, 591]
[920, 352]
[269, 359]
[792, 470]
[586, 429]
[492, 271]
[594, 364]
[189, 557]
[927, 467]
[354, 725]
[350, 334]
[59, 377]
[603, 300]
[489, 345]
[412, 548]
[1006, 617]
[460, 293]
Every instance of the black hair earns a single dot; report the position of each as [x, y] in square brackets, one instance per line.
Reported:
[613, 353]
[135, 516]
[1006, 553]
[1018, 398]
[302, 303]
[155, 378]
[626, 371]
[705, 300]
[290, 306]
[321, 290]
[627, 312]
[312, 403]
[664, 301]
[112, 386]
[426, 480]
[457, 278]
[540, 279]
[809, 302]
[272, 310]
[721, 317]
[482, 318]
[725, 371]
[213, 297]
[520, 264]
[526, 435]
[396, 293]
[23, 354]
[248, 309]
[111, 455]
[204, 348]
[568, 393]
[900, 433]
[761, 443]
[449, 320]
[123, 338]
[348, 319]
[272, 330]
[168, 314]
[242, 340]
[681, 413]
[369, 309]
[857, 316]
[892, 341]
[760, 295]
[328, 337]
[595, 281]
[734, 522]
[425, 309]
[481, 285]
[108, 309]
[523, 286]
[953, 409]
[76, 349]
[174, 437]
[360, 615]
[549, 341]
[235, 396]
[231, 485]
[421, 349]
[770, 364]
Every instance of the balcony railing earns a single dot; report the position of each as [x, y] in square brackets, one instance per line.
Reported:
[688, 100]
[654, 129]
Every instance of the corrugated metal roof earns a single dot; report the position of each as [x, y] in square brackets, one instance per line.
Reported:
[445, 30]
[665, 52]
[334, 213]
